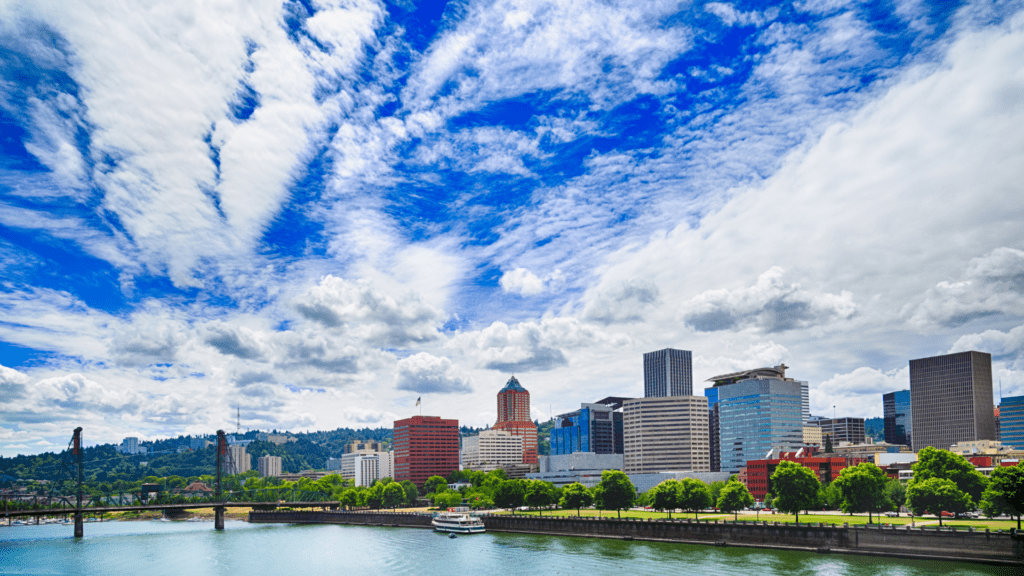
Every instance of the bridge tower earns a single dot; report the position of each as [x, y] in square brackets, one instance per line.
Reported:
[77, 451]
[218, 511]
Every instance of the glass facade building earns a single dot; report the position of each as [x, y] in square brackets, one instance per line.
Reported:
[757, 415]
[1011, 422]
[896, 417]
[593, 428]
[668, 372]
[714, 434]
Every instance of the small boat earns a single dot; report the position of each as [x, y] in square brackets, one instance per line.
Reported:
[457, 521]
[452, 535]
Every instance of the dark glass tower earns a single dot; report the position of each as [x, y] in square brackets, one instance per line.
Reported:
[951, 399]
[668, 372]
[896, 417]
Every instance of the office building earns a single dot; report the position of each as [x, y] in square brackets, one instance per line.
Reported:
[595, 427]
[269, 466]
[896, 417]
[425, 446]
[364, 446]
[841, 430]
[714, 430]
[130, 445]
[760, 410]
[666, 434]
[951, 399]
[491, 449]
[1011, 422]
[237, 460]
[349, 465]
[759, 472]
[812, 436]
[333, 464]
[514, 417]
[668, 372]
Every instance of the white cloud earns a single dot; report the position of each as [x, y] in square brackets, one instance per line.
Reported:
[770, 305]
[730, 15]
[522, 282]
[1007, 345]
[529, 346]
[857, 393]
[992, 284]
[628, 303]
[425, 373]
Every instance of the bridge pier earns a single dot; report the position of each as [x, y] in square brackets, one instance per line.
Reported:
[79, 525]
[218, 518]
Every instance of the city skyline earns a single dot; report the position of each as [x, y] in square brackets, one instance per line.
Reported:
[322, 216]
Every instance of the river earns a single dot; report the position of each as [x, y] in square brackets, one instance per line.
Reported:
[148, 548]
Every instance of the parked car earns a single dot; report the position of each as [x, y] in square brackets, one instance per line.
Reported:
[948, 514]
[892, 514]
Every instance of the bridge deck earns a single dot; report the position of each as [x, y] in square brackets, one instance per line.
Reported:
[141, 507]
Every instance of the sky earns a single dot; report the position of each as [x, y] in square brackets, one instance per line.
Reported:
[311, 213]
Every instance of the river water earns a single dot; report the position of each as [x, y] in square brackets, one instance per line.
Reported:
[147, 548]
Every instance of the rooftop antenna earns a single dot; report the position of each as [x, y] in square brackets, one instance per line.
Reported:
[238, 421]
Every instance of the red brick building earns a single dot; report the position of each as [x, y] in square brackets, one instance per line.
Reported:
[425, 446]
[514, 417]
[827, 469]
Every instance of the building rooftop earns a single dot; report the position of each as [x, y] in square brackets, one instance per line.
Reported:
[774, 372]
[513, 384]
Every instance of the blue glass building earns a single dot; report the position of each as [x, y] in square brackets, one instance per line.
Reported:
[896, 417]
[714, 432]
[593, 428]
[1011, 422]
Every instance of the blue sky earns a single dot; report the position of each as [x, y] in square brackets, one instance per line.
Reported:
[319, 211]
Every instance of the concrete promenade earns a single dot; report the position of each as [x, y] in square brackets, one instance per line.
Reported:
[998, 548]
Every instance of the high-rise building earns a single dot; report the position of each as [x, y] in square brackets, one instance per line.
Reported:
[269, 466]
[668, 372]
[1011, 422]
[951, 399]
[514, 417]
[425, 446]
[364, 446]
[238, 460]
[760, 411]
[595, 427]
[130, 445]
[491, 449]
[714, 431]
[896, 417]
[666, 434]
[841, 430]
[366, 468]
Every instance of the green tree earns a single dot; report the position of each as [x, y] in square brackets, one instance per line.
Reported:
[349, 498]
[393, 495]
[576, 496]
[539, 494]
[830, 496]
[616, 491]
[936, 495]
[1005, 492]
[411, 492]
[435, 484]
[509, 494]
[693, 495]
[828, 444]
[373, 496]
[734, 497]
[716, 490]
[795, 488]
[665, 496]
[863, 489]
[935, 463]
[897, 494]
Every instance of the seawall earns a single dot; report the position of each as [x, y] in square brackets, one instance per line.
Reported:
[1000, 548]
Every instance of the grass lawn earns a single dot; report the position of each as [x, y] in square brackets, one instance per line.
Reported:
[625, 514]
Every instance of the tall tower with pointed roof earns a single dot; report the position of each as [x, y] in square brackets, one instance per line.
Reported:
[514, 416]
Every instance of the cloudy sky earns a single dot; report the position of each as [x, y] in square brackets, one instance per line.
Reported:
[320, 210]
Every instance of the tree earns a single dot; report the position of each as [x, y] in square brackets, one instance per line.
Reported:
[830, 496]
[665, 496]
[828, 444]
[373, 497]
[936, 495]
[1005, 492]
[693, 495]
[734, 497]
[435, 484]
[716, 490]
[539, 494]
[795, 487]
[616, 491]
[411, 492]
[509, 494]
[393, 495]
[935, 463]
[576, 496]
[897, 494]
[863, 489]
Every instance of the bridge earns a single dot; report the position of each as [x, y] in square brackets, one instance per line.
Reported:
[73, 467]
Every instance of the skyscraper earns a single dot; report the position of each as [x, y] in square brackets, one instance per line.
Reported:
[951, 399]
[714, 432]
[269, 465]
[425, 446]
[665, 434]
[595, 427]
[896, 417]
[1011, 422]
[668, 372]
[760, 410]
[514, 416]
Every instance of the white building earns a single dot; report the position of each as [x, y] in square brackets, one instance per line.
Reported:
[238, 460]
[491, 449]
[668, 433]
[130, 445]
[269, 466]
[366, 466]
[333, 464]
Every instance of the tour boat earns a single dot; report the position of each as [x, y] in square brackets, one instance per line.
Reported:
[458, 521]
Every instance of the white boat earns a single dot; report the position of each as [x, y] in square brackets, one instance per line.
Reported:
[457, 521]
